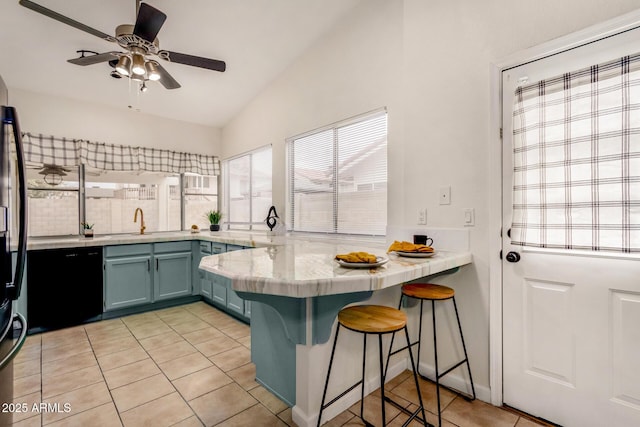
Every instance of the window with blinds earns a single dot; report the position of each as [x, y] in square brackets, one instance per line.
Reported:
[338, 177]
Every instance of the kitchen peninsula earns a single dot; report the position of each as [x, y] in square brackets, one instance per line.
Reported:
[289, 286]
[301, 289]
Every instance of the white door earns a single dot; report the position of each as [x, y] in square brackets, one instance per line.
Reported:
[571, 319]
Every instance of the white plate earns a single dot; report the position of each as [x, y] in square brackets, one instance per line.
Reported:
[416, 254]
[379, 261]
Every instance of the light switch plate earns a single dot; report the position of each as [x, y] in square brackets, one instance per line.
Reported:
[445, 195]
[469, 217]
[422, 217]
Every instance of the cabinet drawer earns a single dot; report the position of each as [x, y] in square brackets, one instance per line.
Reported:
[184, 246]
[125, 250]
[205, 247]
[234, 248]
[218, 248]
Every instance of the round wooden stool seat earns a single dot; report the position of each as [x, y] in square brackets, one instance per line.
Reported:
[372, 319]
[427, 291]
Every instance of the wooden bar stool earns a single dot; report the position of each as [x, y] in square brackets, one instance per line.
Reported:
[373, 320]
[433, 293]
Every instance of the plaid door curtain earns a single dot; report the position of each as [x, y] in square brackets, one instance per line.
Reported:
[576, 159]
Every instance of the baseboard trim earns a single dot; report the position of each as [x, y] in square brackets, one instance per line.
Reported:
[456, 382]
[303, 419]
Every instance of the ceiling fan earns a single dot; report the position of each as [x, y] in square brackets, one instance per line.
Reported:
[140, 43]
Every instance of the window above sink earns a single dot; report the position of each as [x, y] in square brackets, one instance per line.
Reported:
[108, 200]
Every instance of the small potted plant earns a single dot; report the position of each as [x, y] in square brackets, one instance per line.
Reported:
[214, 217]
[87, 229]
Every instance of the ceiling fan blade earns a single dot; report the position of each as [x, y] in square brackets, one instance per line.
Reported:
[94, 59]
[65, 20]
[148, 22]
[194, 61]
[166, 80]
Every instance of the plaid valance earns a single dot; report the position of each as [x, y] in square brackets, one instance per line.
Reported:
[576, 156]
[110, 157]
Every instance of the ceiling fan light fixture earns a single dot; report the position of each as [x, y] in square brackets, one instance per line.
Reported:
[152, 70]
[52, 174]
[137, 66]
[124, 65]
[53, 179]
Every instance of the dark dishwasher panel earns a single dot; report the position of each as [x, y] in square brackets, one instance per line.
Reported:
[64, 287]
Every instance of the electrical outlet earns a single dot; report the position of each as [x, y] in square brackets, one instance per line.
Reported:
[422, 216]
[445, 195]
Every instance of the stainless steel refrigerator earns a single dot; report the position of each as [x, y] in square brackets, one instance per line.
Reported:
[13, 216]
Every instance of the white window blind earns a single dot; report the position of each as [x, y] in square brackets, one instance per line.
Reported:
[338, 177]
[577, 159]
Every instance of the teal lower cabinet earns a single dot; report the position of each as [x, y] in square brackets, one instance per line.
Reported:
[247, 309]
[206, 249]
[157, 273]
[206, 288]
[224, 297]
[219, 291]
[234, 302]
[140, 274]
[172, 276]
[127, 282]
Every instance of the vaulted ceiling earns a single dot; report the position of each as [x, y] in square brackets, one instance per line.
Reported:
[258, 40]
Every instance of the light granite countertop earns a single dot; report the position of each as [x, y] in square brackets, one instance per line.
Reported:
[305, 268]
[289, 265]
[255, 239]
[241, 238]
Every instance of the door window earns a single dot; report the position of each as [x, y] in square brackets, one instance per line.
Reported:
[576, 154]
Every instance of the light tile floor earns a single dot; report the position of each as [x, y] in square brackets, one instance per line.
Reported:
[183, 366]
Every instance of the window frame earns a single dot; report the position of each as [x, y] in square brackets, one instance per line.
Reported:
[81, 191]
[227, 224]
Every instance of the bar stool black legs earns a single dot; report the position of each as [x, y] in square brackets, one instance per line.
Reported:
[433, 293]
[356, 324]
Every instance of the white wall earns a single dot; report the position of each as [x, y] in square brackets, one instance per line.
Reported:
[428, 62]
[356, 68]
[65, 117]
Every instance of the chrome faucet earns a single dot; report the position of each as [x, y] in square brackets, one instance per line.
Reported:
[135, 219]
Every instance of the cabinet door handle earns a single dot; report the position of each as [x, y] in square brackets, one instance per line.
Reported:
[148, 265]
[156, 264]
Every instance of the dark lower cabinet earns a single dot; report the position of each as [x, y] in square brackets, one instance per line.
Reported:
[65, 287]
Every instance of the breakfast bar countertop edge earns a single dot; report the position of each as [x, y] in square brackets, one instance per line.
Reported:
[304, 269]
